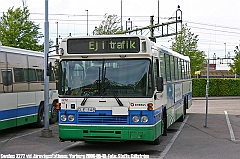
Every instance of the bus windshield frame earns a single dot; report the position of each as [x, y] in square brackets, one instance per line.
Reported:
[106, 78]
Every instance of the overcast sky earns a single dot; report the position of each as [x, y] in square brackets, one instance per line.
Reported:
[217, 22]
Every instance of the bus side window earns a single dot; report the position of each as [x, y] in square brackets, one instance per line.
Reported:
[156, 71]
[189, 70]
[168, 71]
[30, 74]
[180, 68]
[176, 70]
[162, 66]
[7, 78]
[40, 75]
[18, 74]
[183, 70]
[172, 68]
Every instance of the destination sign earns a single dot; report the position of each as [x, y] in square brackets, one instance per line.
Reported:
[103, 45]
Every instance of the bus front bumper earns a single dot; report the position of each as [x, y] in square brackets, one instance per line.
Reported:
[109, 133]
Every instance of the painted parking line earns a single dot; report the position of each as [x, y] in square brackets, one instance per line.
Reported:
[165, 151]
[230, 128]
[67, 147]
[16, 137]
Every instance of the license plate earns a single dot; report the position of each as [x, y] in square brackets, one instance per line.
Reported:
[86, 109]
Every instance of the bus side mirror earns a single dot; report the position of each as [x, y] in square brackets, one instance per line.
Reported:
[160, 84]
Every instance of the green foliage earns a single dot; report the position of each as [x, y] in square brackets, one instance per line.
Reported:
[186, 44]
[217, 87]
[235, 67]
[16, 30]
[108, 26]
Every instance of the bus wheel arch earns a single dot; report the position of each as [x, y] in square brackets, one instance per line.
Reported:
[182, 117]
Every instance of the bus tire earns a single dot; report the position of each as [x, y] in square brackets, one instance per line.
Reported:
[185, 105]
[157, 141]
[164, 122]
[54, 114]
[40, 117]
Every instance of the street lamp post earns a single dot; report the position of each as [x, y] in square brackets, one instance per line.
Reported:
[87, 21]
[57, 34]
[121, 16]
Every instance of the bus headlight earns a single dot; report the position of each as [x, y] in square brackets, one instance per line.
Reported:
[135, 119]
[144, 119]
[63, 117]
[71, 118]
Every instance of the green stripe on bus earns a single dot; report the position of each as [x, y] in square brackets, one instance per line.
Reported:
[4, 124]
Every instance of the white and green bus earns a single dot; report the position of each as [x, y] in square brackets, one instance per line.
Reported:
[22, 88]
[119, 88]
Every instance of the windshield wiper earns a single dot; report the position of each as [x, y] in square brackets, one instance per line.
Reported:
[110, 85]
[88, 94]
[98, 87]
[114, 94]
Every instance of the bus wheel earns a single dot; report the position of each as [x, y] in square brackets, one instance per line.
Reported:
[54, 114]
[156, 141]
[40, 118]
[164, 123]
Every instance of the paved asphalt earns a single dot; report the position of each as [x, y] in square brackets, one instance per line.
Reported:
[212, 136]
[218, 137]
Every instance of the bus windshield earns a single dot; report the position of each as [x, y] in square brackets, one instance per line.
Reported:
[92, 78]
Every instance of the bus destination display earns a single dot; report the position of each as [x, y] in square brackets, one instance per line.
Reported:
[103, 45]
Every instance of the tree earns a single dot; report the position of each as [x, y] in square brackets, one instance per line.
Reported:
[235, 67]
[16, 30]
[186, 44]
[108, 26]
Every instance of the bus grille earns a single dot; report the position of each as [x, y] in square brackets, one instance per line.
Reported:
[98, 119]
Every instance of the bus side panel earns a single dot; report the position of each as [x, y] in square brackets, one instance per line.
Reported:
[53, 95]
[7, 119]
[187, 92]
[190, 95]
[27, 115]
[178, 101]
[35, 86]
[52, 85]
[8, 110]
[20, 87]
[1, 87]
[170, 104]
[27, 108]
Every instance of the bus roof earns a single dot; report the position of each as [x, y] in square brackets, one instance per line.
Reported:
[171, 52]
[14, 50]
[107, 36]
[20, 51]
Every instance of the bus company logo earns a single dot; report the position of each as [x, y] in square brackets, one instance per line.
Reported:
[138, 104]
[64, 100]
